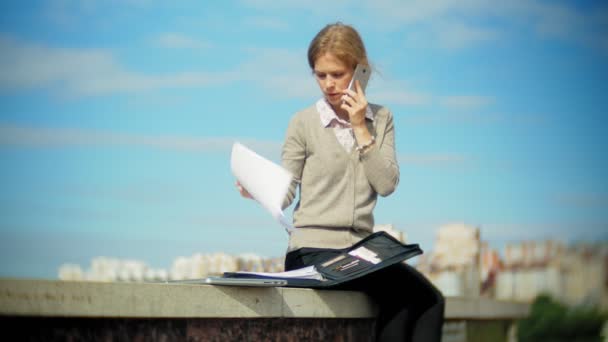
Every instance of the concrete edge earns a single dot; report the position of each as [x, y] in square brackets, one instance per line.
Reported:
[480, 308]
[54, 298]
[160, 300]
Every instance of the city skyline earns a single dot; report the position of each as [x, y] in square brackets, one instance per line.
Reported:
[117, 119]
[460, 264]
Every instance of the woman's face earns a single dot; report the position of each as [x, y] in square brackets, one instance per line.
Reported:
[333, 77]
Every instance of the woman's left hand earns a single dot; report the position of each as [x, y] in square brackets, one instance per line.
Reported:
[355, 104]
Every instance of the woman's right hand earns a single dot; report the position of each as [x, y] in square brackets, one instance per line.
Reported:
[243, 191]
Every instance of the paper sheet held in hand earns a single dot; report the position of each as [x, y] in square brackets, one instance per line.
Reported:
[266, 181]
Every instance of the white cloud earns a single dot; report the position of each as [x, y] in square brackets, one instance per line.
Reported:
[460, 35]
[142, 192]
[453, 23]
[569, 24]
[396, 93]
[13, 135]
[465, 101]
[453, 36]
[280, 71]
[171, 40]
[94, 72]
[43, 137]
[448, 23]
[460, 117]
[82, 72]
[283, 73]
[408, 12]
[583, 200]
[434, 159]
[75, 13]
[269, 23]
[400, 97]
[314, 6]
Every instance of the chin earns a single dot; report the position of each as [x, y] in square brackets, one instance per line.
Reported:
[335, 103]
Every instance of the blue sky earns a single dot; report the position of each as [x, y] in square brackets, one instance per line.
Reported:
[117, 119]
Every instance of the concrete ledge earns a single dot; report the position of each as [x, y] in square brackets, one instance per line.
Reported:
[478, 308]
[89, 299]
[90, 311]
[49, 298]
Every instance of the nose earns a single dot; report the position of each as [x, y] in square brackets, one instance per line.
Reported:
[329, 82]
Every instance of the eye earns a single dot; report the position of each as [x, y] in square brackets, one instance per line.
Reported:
[320, 75]
[338, 75]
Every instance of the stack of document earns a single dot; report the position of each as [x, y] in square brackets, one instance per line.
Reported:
[309, 272]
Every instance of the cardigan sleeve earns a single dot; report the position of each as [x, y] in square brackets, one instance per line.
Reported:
[293, 156]
[380, 162]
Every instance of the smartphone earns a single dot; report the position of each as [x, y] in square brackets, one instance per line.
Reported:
[362, 73]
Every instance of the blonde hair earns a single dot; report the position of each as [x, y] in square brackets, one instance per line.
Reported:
[342, 41]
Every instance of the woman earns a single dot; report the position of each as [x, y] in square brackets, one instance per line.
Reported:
[341, 152]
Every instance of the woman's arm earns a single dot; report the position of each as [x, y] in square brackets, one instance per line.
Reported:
[379, 160]
[293, 156]
[376, 153]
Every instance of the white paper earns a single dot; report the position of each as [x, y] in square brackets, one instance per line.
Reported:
[309, 272]
[266, 181]
[366, 255]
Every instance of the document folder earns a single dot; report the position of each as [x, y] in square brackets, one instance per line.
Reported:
[375, 252]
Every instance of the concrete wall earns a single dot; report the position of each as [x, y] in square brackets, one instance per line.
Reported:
[46, 310]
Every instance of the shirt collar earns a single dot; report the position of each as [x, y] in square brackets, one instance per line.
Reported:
[328, 114]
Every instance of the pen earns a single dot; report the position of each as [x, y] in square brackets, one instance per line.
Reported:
[348, 265]
[337, 268]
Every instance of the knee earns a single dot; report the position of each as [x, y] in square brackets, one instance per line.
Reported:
[425, 290]
[439, 298]
[432, 293]
[436, 295]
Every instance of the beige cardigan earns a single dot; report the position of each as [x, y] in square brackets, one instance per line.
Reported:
[338, 190]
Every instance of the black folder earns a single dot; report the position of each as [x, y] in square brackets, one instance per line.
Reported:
[375, 252]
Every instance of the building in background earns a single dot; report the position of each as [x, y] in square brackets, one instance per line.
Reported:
[454, 263]
[574, 274]
[461, 264]
[184, 267]
[193, 267]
